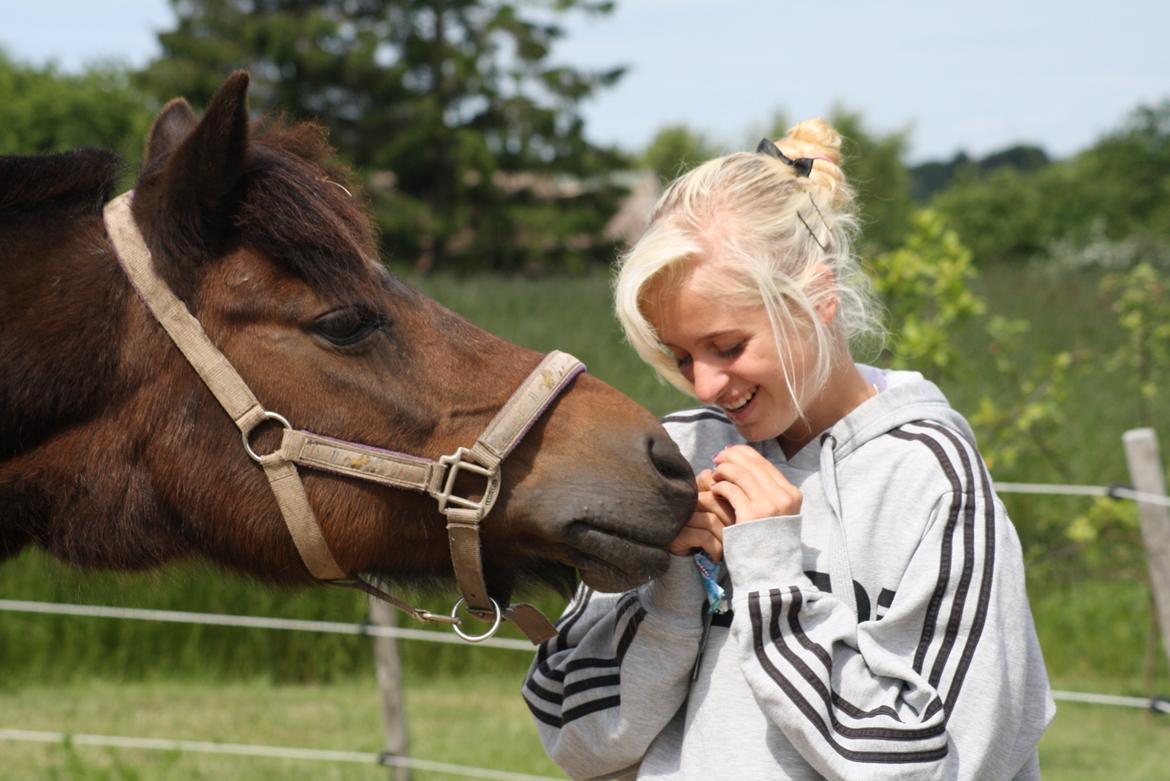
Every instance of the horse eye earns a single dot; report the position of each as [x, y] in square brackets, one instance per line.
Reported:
[347, 327]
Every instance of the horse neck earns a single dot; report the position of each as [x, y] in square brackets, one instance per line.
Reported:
[68, 478]
[62, 301]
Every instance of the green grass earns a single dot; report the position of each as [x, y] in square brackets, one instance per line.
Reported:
[476, 721]
[479, 722]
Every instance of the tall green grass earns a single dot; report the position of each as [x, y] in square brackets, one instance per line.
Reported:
[1092, 611]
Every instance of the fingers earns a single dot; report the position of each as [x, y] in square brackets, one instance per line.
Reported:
[704, 479]
[752, 485]
[738, 499]
[749, 480]
[753, 461]
[703, 531]
[717, 506]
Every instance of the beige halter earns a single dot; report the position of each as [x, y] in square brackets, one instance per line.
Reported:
[398, 470]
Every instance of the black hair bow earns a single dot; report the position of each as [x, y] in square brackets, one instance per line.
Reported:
[802, 165]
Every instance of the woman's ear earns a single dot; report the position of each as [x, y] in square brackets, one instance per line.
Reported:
[824, 292]
[827, 309]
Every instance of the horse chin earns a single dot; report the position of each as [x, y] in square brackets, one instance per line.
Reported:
[614, 563]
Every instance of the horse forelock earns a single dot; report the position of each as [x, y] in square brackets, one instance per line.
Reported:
[295, 207]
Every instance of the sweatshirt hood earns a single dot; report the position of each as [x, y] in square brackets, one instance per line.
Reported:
[903, 397]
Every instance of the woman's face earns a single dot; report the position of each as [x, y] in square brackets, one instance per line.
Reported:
[728, 354]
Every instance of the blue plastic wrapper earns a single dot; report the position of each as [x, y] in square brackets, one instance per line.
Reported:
[710, 572]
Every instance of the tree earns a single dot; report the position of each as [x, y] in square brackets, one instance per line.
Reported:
[1117, 190]
[452, 107]
[676, 149]
[42, 110]
[930, 178]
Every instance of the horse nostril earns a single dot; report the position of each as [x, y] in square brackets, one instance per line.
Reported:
[667, 459]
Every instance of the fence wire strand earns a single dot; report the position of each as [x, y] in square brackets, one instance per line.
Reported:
[274, 752]
[252, 622]
[1112, 491]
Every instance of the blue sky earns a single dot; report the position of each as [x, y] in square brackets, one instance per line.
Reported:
[973, 76]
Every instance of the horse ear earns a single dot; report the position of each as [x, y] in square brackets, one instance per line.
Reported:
[173, 124]
[213, 155]
[185, 195]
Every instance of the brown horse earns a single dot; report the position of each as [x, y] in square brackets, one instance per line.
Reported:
[113, 454]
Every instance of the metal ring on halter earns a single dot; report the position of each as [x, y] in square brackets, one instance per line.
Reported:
[246, 434]
[485, 635]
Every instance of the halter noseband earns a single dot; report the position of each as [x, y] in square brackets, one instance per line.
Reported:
[398, 470]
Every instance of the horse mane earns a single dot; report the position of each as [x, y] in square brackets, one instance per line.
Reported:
[79, 179]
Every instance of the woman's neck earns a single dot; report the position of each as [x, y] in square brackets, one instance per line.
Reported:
[845, 390]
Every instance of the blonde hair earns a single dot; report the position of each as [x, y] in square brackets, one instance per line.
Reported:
[777, 238]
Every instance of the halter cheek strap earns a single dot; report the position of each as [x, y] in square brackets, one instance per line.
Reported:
[397, 470]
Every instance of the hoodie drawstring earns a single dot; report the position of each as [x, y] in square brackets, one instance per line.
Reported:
[840, 573]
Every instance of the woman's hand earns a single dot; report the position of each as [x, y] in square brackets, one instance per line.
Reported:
[704, 530]
[752, 486]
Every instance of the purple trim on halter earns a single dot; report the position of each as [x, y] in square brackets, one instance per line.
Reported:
[549, 399]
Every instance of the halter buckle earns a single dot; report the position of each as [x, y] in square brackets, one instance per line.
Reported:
[463, 459]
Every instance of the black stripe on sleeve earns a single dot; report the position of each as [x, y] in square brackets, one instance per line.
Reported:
[944, 567]
[629, 609]
[544, 694]
[828, 697]
[539, 715]
[587, 663]
[601, 681]
[985, 587]
[628, 635]
[886, 757]
[572, 714]
[983, 598]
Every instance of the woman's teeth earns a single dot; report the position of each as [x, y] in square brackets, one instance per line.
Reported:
[740, 402]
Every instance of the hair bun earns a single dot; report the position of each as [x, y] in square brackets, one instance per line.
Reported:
[817, 139]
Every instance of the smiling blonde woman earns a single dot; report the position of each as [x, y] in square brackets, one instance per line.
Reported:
[847, 600]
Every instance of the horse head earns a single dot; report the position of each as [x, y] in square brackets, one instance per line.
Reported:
[254, 228]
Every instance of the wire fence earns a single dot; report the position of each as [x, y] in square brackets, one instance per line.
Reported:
[1154, 704]
[1112, 491]
[374, 630]
[252, 622]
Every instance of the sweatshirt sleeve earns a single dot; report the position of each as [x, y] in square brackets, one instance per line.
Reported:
[617, 672]
[949, 683]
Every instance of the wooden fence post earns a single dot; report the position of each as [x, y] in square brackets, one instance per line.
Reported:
[1147, 474]
[389, 669]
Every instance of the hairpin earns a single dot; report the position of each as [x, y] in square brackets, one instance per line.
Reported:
[802, 167]
[811, 232]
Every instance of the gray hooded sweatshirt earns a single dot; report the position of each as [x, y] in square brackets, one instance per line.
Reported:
[927, 667]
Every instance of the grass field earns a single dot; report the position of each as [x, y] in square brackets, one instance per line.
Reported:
[476, 721]
[291, 689]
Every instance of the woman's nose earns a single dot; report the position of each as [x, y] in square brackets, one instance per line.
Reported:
[709, 381]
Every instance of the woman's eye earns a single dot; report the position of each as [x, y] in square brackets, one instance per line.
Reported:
[730, 352]
[347, 327]
[682, 362]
